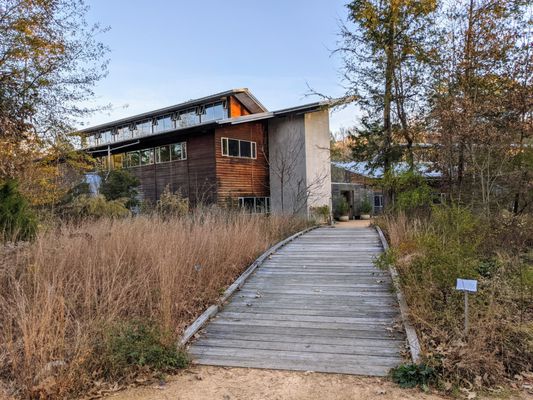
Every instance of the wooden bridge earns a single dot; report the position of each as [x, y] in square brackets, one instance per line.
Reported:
[318, 304]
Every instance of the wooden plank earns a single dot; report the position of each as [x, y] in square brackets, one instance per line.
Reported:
[313, 358]
[389, 344]
[303, 329]
[292, 365]
[317, 304]
[349, 349]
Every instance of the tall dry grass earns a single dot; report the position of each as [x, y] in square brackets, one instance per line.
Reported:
[58, 294]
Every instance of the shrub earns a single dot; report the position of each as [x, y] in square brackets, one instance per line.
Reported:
[411, 191]
[412, 375]
[366, 206]
[132, 345]
[120, 184]
[17, 220]
[172, 204]
[340, 206]
[85, 206]
[321, 213]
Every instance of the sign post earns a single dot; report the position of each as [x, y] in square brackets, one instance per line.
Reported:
[466, 286]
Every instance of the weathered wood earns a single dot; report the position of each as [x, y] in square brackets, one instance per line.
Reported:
[212, 310]
[412, 337]
[317, 304]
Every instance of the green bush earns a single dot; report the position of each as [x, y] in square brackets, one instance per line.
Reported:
[413, 375]
[17, 220]
[172, 204]
[366, 206]
[340, 206]
[120, 184]
[133, 345]
[411, 191]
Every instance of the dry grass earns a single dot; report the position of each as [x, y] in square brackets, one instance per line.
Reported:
[430, 253]
[59, 294]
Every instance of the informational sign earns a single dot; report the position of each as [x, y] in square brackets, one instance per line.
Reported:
[467, 285]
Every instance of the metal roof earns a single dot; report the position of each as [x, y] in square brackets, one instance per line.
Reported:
[243, 95]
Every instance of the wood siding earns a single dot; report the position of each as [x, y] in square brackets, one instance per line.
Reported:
[236, 109]
[193, 178]
[238, 177]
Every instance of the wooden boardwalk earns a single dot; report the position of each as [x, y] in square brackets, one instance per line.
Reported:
[318, 304]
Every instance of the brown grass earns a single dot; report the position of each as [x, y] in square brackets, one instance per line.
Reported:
[57, 294]
[430, 253]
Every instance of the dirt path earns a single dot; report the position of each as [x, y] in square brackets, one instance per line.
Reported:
[212, 383]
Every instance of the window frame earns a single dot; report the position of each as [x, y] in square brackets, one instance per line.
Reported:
[242, 199]
[224, 149]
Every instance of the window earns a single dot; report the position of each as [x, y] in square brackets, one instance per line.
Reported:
[106, 137]
[162, 154]
[255, 204]
[118, 160]
[144, 128]
[147, 156]
[91, 141]
[178, 151]
[213, 112]
[133, 159]
[378, 203]
[123, 133]
[163, 124]
[238, 148]
[188, 118]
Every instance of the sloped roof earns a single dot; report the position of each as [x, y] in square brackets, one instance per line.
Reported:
[243, 95]
[362, 168]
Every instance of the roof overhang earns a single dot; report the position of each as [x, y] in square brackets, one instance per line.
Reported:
[243, 95]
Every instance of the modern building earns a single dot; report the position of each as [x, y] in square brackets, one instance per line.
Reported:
[226, 148]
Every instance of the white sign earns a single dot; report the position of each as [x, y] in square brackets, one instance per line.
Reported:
[467, 285]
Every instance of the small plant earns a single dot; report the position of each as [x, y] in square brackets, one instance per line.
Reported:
[132, 345]
[366, 206]
[17, 221]
[413, 375]
[321, 212]
[172, 204]
[341, 206]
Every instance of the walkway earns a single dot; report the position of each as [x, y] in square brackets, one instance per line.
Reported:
[318, 304]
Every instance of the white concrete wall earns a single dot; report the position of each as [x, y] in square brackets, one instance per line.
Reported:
[286, 150]
[299, 162]
[317, 158]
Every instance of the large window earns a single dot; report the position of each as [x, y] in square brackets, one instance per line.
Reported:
[144, 128]
[106, 137]
[123, 133]
[178, 151]
[163, 124]
[213, 112]
[255, 204]
[188, 118]
[147, 156]
[239, 148]
[161, 154]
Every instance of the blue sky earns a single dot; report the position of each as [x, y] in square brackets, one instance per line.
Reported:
[166, 52]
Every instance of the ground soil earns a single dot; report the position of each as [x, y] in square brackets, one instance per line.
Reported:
[212, 383]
